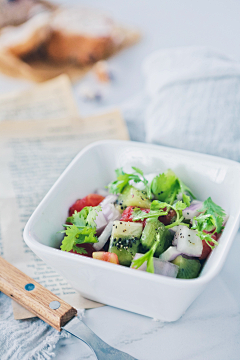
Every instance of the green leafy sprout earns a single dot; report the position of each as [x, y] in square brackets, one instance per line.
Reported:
[210, 220]
[167, 186]
[82, 230]
[117, 186]
[159, 208]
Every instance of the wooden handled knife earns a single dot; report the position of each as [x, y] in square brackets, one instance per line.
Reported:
[51, 309]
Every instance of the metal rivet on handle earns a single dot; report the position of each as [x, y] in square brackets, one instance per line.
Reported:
[29, 287]
[54, 305]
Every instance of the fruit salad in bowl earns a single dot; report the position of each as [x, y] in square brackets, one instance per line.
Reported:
[150, 223]
[136, 238]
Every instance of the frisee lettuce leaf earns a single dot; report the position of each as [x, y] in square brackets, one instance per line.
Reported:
[159, 208]
[75, 235]
[211, 217]
[167, 185]
[92, 215]
[117, 186]
[82, 230]
[218, 214]
[79, 250]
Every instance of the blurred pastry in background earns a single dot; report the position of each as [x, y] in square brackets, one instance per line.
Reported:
[25, 38]
[81, 36]
[40, 40]
[16, 12]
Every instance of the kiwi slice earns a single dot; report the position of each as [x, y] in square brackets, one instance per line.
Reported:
[125, 240]
[132, 197]
[188, 268]
[149, 237]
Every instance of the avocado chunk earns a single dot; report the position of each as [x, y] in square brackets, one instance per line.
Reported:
[132, 197]
[149, 236]
[125, 240]
[188, 268]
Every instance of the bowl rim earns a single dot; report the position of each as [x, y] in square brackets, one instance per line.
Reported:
[229, 231]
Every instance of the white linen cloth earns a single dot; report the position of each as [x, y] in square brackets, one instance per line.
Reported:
[193, 101]
[30, 339]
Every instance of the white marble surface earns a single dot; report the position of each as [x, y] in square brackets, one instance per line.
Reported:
[210, 328]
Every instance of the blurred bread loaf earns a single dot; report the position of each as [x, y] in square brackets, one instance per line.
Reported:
[80, 36]
[14, 12]
[25, 38]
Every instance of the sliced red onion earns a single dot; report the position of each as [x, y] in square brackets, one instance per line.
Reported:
[176, 236]
[160, 267]
[192, 210]
[170, 254]
[109, 210]
[188, 242]
[173, 230]
[100, 222]
[111, 213]
[103, 238]
[109, 199]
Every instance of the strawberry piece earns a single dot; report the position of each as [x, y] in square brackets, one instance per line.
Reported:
[106, 256]
[128, 213]
[167, 219]
[206, 248]
[88, 247]
[89, 200]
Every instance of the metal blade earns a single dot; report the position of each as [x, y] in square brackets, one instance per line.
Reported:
[102, 350]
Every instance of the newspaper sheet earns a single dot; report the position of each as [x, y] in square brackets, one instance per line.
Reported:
[51, 100]
[32, 156]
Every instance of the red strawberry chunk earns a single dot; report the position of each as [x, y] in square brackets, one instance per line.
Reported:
[128, 213]
[88, 247]
[167, 219]
[106, 256]
[206, 248]
[89, 200]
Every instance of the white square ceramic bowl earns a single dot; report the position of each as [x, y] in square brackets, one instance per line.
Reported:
[143, 293]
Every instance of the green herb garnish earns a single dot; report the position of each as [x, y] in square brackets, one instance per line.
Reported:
[117, 186]
[166, 186]
[82, 230]
[212, 217]
[159, 208]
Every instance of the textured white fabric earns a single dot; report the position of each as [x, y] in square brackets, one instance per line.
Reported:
[193, 101]
[30, 339]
